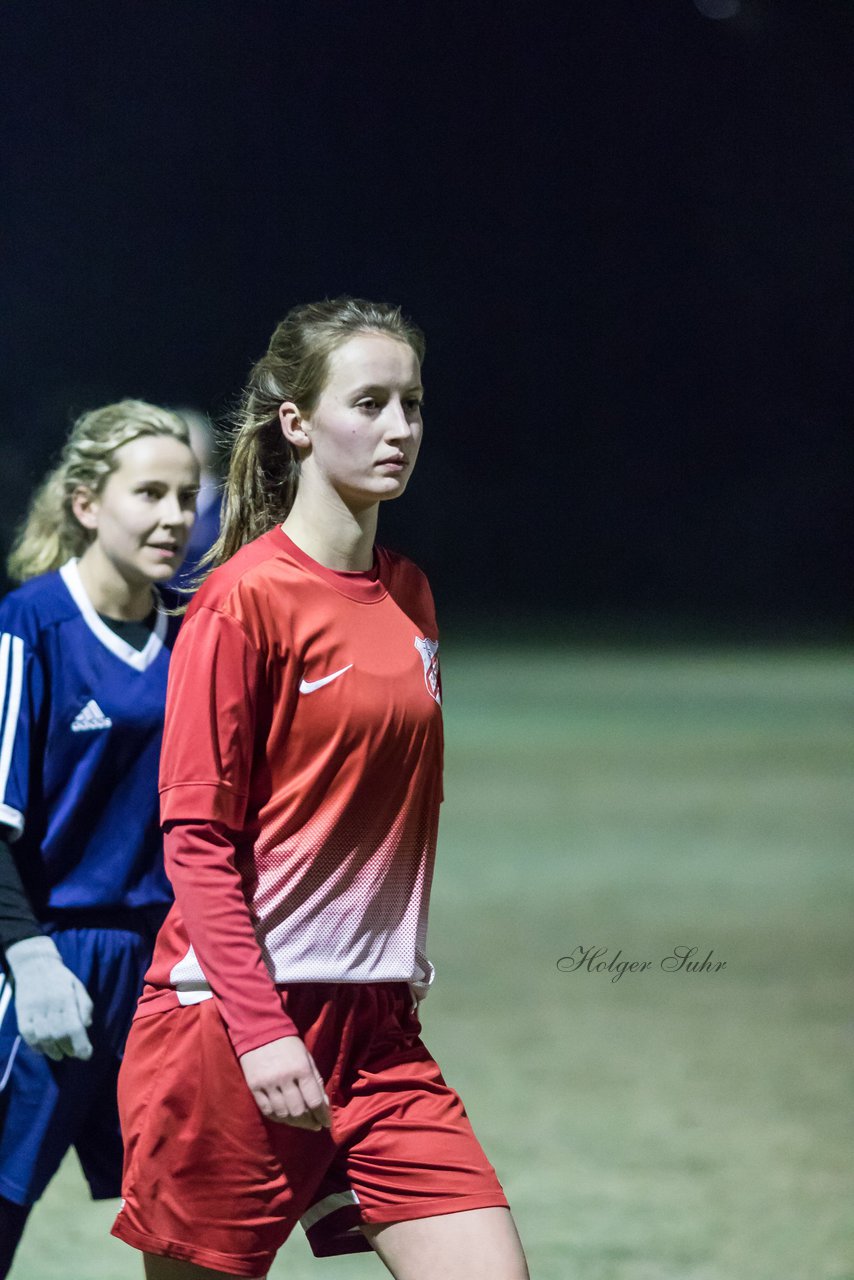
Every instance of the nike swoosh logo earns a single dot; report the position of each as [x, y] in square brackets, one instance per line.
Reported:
[309, 686]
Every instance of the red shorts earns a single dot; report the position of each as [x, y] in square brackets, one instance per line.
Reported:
[208, 1180]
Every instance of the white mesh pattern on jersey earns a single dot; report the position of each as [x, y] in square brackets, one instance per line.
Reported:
[346, 900]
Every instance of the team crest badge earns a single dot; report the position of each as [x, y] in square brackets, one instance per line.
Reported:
[429, 650]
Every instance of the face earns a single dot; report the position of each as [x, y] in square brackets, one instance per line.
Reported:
[365, 432]
[143, 514]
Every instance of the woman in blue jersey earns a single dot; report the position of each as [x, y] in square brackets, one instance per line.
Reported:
[84, 653]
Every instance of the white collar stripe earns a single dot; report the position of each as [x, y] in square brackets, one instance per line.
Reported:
[139, 659]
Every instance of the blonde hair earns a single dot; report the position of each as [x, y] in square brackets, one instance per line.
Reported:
[50, 533]
[263, 470]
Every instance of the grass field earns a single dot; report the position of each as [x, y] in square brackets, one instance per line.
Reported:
[667, 1125]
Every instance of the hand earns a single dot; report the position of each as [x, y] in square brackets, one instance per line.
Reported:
[51, 1003]
[286, 1084]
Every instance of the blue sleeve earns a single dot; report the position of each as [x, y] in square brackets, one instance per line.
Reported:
[22, 692]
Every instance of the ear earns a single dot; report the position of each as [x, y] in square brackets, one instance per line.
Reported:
[293, 428]
[85, 505]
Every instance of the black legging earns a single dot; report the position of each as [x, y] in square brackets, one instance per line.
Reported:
[12, 1219]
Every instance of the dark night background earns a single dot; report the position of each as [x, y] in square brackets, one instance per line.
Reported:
[625, 227]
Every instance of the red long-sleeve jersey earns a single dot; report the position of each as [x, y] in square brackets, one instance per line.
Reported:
[300, 784]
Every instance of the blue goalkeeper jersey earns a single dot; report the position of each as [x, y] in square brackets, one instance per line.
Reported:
[81, 719]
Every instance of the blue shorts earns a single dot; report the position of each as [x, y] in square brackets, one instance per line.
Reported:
[47, 1107]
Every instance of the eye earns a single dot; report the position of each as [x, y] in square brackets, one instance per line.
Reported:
[368, 404]
[415, 404]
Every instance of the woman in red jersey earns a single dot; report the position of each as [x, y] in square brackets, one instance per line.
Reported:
[275, 1071]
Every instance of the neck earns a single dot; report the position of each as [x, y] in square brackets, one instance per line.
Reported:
[109, 592]
[326, 529]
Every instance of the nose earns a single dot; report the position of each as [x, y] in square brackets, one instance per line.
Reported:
[172, 513]
[399, 427]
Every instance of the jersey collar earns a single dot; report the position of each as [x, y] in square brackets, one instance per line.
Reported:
[367, 587]
[139, 659]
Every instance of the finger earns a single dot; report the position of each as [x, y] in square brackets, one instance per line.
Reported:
[263, 1103]
[318, 1077]
[65, 1041]
[320, 1117]
[36, 1034]
[272, 1103]
[289, 1108]
[276, 1113]
[318, 1114]
[49, 1048]
[84, 1005]
[80, 1044]
[295, 1106]
[314, 1096]
[324, 1111]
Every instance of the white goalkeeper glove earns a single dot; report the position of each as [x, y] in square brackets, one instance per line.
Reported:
[52, 1005]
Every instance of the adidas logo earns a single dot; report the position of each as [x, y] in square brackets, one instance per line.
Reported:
[91, 717]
